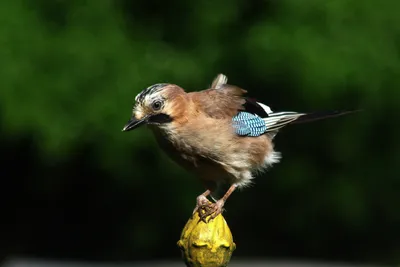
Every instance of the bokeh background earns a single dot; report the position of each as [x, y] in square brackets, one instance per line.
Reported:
[73, 186]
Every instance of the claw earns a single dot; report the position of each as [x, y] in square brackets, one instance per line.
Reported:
[207, 209]
[201, 202]
[212, 210]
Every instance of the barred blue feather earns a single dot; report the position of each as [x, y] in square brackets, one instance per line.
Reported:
[247, 124]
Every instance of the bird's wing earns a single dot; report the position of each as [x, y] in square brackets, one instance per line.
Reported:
[252, 106]
[247, 124]
[259, 110]
[224, 102]
[277, 120]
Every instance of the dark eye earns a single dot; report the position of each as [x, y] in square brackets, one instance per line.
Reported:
[156, 105]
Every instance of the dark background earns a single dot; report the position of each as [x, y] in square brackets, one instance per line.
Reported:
[73, 186]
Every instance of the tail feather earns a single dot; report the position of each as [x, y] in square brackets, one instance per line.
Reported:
[314, 116]
[277, 120]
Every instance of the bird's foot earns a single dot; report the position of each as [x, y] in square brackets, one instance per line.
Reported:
[201, 202]
[211, 209]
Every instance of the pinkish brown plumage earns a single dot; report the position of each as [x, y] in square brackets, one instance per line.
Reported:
[218, 134]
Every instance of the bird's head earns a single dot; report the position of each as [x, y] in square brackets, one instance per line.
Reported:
[155, 105]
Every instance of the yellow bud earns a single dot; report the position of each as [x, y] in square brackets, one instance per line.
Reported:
[206, 244]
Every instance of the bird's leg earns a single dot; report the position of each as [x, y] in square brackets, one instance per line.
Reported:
[216, 208]
[202, 201]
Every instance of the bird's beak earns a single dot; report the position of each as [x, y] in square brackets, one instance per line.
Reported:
[134, 123]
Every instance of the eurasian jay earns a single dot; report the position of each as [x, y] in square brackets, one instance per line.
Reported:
[218, 134]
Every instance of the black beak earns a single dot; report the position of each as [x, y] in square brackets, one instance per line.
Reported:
[134, 123]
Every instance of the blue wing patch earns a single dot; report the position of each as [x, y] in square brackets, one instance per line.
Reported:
[247, 124]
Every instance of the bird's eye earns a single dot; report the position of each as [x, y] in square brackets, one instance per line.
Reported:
[156, 105]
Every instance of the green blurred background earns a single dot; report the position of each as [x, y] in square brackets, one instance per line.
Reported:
[74, 186]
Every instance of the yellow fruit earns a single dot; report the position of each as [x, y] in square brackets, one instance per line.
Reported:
[206, 244]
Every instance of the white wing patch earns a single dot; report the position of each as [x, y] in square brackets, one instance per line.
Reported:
[277, 120]
[265, 108]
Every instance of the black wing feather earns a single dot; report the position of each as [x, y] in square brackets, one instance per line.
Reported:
[253, 107]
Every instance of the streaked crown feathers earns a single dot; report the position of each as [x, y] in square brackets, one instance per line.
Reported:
[149, 91]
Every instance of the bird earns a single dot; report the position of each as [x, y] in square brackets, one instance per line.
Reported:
[219, 134]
